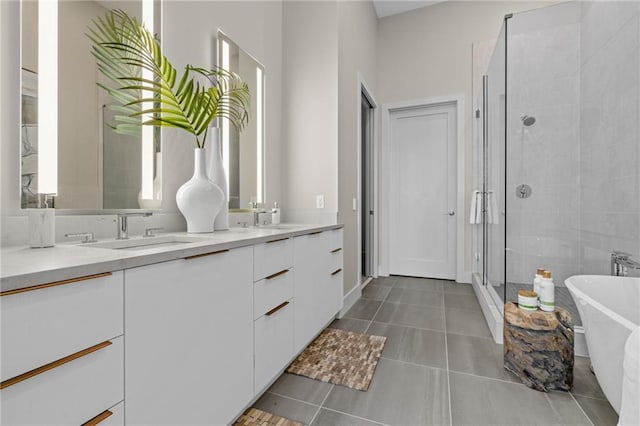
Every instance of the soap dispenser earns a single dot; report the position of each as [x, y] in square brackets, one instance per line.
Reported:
[275, 214]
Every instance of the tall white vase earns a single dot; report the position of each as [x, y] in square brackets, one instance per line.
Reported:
[215, 171]
[199, 199]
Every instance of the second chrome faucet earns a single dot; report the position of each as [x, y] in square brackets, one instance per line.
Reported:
[123, 226]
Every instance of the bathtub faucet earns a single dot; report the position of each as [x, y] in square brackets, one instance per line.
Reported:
[621, 262]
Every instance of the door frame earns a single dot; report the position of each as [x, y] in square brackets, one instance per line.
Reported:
[363, 87]
[385, 201]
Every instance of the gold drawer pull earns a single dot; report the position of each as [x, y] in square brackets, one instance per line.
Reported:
[52, 365]
[277, 274]
[278, 240]
[54, 284]
[98, 419]
[277, 308]
[336, 272]
[336, 250]
[195, 256]
[315, 233]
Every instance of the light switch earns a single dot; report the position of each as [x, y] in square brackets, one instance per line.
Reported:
[320, 201]
[355, 204]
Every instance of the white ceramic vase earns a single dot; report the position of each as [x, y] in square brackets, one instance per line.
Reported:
[156, 202]
[216, 174]
[199, 199]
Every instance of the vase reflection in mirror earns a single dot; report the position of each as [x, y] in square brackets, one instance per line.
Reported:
[217, 175]
[199, 200]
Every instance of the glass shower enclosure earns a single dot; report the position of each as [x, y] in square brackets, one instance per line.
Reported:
[557, 148]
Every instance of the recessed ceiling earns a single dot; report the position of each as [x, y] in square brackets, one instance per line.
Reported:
[393, 7]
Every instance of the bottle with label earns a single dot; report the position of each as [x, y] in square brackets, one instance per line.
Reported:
[275, 214]
[547, 295]
[536, 283]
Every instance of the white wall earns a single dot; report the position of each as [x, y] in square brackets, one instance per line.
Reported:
[310, 113]
[358, 25]
[427, 53]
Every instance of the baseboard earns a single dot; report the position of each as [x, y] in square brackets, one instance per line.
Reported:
[350, 299]
[465, 278]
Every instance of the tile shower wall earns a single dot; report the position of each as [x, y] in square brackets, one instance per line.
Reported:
[543, 81]
[609, 133]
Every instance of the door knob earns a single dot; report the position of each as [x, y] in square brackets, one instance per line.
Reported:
[451, 213]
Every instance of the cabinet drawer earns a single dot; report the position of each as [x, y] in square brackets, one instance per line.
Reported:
[114, 416]
[336, 284]
[71, 393]
[271, 291]
[335, 238]
[273, 345]
[336, 260]
[272, 257]
[43, 325]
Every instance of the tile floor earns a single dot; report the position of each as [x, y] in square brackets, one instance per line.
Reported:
[439, 367]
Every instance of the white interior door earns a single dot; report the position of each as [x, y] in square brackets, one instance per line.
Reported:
[422, 222]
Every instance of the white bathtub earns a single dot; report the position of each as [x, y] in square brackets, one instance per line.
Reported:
[610, 311]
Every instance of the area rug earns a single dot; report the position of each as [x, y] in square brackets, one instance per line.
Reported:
[340, 357]
[255, 417]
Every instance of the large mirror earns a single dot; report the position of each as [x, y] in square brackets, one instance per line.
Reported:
[243, 153]
[97, 169]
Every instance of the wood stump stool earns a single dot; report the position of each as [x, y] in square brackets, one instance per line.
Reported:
[538, 347]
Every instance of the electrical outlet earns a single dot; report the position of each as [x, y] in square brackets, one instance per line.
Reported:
[320, 201]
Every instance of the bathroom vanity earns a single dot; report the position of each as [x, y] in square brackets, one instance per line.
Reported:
[191, 332]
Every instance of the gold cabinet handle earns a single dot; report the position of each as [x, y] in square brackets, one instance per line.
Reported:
[277, 274]
[195, 256]
[52, 365]
[54, 284]
[276, 241]
[336, 272]
[336, 250]
[277, 308]
[98, 419]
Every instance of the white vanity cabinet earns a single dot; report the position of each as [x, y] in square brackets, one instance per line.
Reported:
[62, 350]
[318, 283]
[189, 339]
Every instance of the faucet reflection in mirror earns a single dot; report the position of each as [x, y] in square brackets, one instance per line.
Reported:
[149, 93]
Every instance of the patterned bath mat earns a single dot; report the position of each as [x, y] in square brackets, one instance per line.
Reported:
[255, 417]
[340, 357]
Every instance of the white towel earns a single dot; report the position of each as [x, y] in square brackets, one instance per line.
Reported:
[475, 212]
[492, 208]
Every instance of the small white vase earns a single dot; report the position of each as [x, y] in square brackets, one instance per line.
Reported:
[199, 199]
[156, 202]
[216, 174]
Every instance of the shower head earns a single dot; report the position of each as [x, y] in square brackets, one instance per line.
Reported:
[528, 120]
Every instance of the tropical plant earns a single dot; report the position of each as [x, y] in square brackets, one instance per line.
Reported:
[146, 87]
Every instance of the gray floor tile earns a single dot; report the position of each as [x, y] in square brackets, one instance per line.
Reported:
[416, 297]
[477, 355]
[393, 333]
[411, 316]
[287, 408]
[385, 281]
[461, 301]
[567, 409]
[399, 394]
[585, 382]
[363, 309]
[376, 292]
[420, 283]
[303, 388]
[425, 347]
[350, 324]
[332, 418]
[468, 322]
[600, 412]
[481, 401]
[458, 288]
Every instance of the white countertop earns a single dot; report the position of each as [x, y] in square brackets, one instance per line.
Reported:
[24, 267]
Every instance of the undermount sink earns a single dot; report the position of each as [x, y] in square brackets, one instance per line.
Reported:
[144, 244]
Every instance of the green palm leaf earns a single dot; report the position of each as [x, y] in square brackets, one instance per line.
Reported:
[147, 88]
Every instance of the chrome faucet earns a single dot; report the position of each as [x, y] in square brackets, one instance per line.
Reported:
[256, 216]
[621, 262]
[123, 227]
